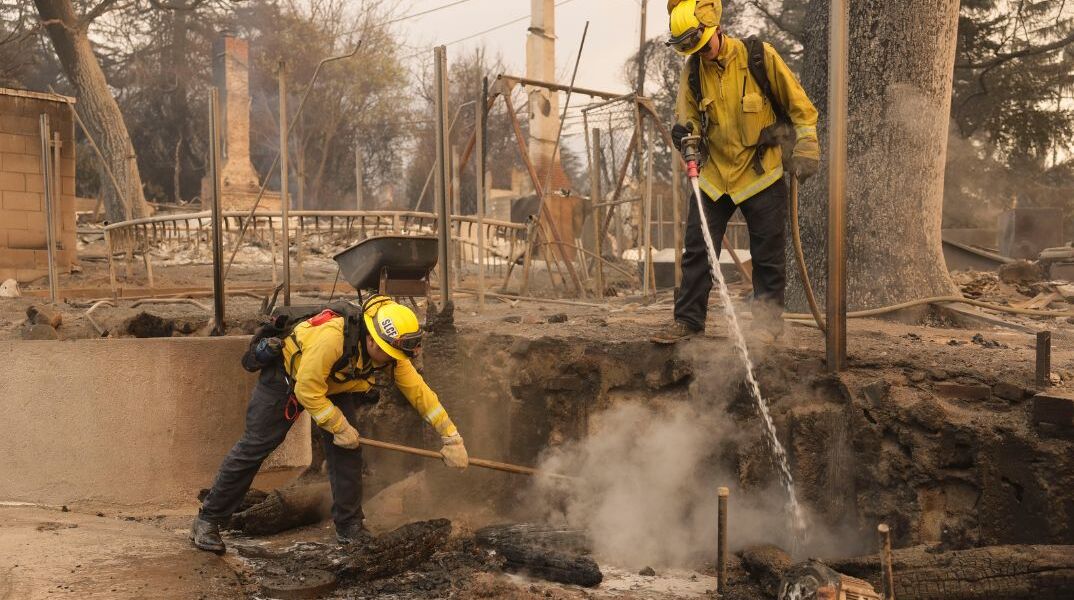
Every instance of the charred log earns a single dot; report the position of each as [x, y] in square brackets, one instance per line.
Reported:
[990, 573]
[766, 564]
[253, 496]
[397, 551]
[285, 508]
[546, 553]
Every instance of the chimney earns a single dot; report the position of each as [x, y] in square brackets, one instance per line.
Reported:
[231, 76]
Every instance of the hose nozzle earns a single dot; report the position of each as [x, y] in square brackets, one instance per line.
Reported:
[691, 153]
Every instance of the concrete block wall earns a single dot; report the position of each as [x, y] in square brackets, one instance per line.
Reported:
[125, 421]
[23, 254]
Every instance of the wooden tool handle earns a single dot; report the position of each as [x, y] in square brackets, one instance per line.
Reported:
[475, 462]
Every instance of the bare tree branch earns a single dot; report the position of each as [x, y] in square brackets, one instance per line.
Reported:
[777, 20]
[1028, 51]
[102, 7]
[176, 6]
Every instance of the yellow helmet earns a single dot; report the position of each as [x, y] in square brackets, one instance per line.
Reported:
[394, 327]
[692, 23]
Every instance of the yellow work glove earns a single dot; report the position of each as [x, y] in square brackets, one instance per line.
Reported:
[454, 452]
[806, 160]
[346, 437]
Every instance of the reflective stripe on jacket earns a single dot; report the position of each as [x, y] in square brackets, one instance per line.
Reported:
[322, 346]
[738, 111]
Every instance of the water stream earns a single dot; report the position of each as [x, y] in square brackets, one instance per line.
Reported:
[793, 509]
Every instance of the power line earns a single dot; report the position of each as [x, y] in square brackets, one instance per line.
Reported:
[425, 12]
[500, 26]
[414, 15]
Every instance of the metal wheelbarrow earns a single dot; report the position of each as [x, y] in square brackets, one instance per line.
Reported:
[394, 265]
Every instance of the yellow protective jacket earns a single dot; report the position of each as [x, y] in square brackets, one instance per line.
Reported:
[321, 346]
[738, 111]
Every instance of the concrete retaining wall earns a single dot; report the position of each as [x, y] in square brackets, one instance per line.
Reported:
[126, 421]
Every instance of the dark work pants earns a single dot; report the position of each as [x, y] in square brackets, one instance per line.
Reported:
[766, 215]
[266, 427]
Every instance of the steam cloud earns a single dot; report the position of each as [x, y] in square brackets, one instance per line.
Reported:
[649, 476]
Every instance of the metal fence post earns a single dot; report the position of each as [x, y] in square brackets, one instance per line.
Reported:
[480, 108]
[836, 338]
[442, 170]
[218, 249]
[47, 171]
[285, 200]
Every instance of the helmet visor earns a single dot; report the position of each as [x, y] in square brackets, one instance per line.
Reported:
[686, 42]
[407, 343]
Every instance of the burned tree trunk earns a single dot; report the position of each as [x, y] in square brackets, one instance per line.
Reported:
[991, 573]
[96, 106]
[901, 63]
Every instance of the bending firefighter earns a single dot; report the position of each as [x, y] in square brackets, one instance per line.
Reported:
[755, 123]
[325, 365]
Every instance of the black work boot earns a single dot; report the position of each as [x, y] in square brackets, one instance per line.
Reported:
[676, 332]
[355, 533]
[206, 536]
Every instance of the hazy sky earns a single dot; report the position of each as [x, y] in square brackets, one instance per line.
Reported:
[612, 37]
[611, 40]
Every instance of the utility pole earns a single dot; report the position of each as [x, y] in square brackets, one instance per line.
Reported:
[640, 88]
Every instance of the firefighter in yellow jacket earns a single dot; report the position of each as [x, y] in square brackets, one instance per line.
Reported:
[318, 372]
[738, 111]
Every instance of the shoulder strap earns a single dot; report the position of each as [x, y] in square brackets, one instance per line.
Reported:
[353, 337]
[759, 71]
[693, 78]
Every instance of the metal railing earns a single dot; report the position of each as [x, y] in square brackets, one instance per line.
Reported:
[504, 240]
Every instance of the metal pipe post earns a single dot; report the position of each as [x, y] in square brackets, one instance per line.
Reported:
[218, 245]
[836, 335]
[300, 202]
[441, 184]
[887, 575]
[57, 193]
[359, 178]
[676, 216]
[596, 197]
[480, 112]
[647, 234]
[285, 199]
[660, 221]
[456, 210]
[47, 169]
[1044, 358]
[721, 541]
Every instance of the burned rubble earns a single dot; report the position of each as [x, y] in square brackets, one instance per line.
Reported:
[776, 303]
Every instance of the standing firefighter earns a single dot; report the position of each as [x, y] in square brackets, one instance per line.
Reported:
[755, 123]
[326, 365]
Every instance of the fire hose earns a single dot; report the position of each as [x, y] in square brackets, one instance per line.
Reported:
[814, 310]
